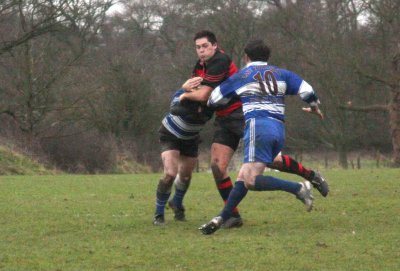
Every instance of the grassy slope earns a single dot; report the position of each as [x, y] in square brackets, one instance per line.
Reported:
[12, 162]
[74, 222]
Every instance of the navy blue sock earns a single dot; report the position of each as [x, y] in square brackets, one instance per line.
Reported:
[224, 188]
[269, 183]
[161, 201]
[180, 191]
[238, 192]
[178, 197]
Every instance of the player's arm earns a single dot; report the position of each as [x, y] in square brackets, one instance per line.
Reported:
[194, 91]
[307, 94]
[296, 85]
[216, 73]
[222, 94]
[200, 94]
[217, 99]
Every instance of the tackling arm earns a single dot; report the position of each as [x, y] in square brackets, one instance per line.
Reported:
[296, 85]
[200, 95]
[307, 94]
[222, 94]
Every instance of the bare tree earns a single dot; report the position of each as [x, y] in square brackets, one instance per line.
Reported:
[383, 64]
[66, 68]
[37, 18]
[47, 39]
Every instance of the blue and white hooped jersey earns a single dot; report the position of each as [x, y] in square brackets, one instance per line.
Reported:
[183, 127]
[262, 89]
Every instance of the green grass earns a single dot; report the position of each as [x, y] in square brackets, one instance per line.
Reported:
[101, 222]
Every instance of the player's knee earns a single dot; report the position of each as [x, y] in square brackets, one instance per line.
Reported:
[249, 183]
[278, 159]
[276, 164]
[186, 178]
[168, 178]
[170, 172]
[165, 184]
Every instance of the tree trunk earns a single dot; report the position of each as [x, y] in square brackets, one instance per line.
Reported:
[394, 115]
[343, 157]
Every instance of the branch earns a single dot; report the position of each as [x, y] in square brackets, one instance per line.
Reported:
[8, 112]
[367, 108]
[8, 45]
[376, 78]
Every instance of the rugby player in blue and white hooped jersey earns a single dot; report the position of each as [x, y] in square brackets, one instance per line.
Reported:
[262, 88]
[179, 139]
[187, 125]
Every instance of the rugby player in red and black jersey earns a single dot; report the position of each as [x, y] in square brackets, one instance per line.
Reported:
[211, 69]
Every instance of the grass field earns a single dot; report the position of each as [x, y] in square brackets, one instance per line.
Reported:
[103, 222]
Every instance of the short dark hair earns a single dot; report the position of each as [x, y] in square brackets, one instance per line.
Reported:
[257, 50]
[206, 34]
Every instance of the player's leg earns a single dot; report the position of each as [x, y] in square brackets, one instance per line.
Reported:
[285, 163]
[170, 153]
[244, 182]
[301, 190]
[264, 139]
[189, 151]
[182, 183]
[220, 158]
[170, 160]
[237, 194]
[225, 142]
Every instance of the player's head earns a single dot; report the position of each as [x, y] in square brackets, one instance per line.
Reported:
[206, 44]
[257, 50]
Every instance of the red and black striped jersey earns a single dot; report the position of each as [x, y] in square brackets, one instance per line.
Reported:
[216, 70]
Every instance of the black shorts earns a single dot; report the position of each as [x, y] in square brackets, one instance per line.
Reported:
[169, 141]
[229, 129]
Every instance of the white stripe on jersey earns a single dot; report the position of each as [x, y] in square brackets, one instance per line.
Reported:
[170, 129]
[216, 98]
[305, 90]
[252, 128]
[183, 127]
[187, 127]
[271, 108]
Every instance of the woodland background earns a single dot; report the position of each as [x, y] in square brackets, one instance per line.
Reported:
[84, 84]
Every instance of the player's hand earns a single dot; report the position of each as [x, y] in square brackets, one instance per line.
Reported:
[192, 83]
[314, 110]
